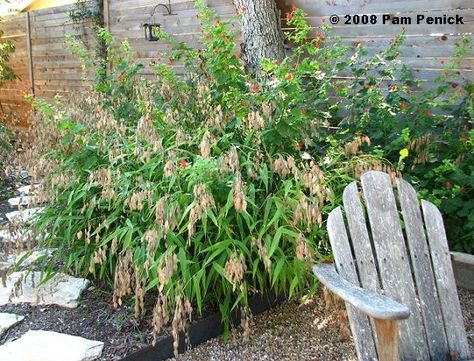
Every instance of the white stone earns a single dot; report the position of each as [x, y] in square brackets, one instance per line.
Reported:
[8, 320]
[31, 258]
[22, 216]
[62, 290]
[19, 201]
[29, 189]
[15, 236]
[51, 346]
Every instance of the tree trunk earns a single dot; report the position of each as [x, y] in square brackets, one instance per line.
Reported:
[261, 32]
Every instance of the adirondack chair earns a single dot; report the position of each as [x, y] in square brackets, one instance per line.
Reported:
[395, 275]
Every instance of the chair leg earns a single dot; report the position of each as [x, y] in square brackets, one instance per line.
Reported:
[387, 339]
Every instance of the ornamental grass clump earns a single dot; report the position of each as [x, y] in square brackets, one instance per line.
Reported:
[182, 188]
[207, 188]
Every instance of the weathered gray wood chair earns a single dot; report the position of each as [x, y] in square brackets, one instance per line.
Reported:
[395, 274]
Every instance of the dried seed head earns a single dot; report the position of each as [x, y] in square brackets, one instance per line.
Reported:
[170, 168]
[230, 161]
[238, 190]
[255, 121]
[205, 145]
[123, 278]
[160, 316]
[303, 252]
[168, 264]
[235, 269]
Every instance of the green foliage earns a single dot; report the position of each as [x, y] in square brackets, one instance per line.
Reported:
[207, 188]
[6, 71]
[5, 149]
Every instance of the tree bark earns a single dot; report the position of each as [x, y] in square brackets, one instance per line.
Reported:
[261, 32]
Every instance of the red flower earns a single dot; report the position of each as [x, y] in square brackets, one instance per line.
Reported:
[277, 62]
[320, 37]
[151, 117]
[170, 62]
[294, 8]
[238, 55]
[442, 61]
[289, 76]
[183, 164]
[303, 111]
[255, 88]
[225, 38]
[216, 51]
[295, 65]
[299, 145]
[289, 16]
[323, 20]
[429, 113]
[243, 9]
[158, 57]
[448, 184]
[218, 21]
[367, 65]
[404, 106]
[121, 79]
[446, 71]
[245, 104]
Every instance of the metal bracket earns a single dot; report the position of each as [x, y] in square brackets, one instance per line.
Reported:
[167, 7]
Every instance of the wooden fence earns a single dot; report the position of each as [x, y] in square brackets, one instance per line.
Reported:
[46, 66]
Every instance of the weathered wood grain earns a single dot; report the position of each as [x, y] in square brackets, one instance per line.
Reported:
[370, 303]
[423, 272]
[393, 263]
[388, 339]
[446, 285]
[360, 325]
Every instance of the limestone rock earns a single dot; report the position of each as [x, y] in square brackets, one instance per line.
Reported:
[51, 346]
[62, 290]
[22, 216]
[19, 201]
[8, 320]
[31, 257]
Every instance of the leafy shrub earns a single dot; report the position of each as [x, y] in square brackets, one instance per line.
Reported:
[5, 148]
[207, 188]
[6, 72]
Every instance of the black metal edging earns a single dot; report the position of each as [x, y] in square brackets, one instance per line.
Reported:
[202, 331]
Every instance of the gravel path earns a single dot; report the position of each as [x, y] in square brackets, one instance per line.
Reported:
[293, 332]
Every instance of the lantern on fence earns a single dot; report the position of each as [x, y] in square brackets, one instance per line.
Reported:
[152, 30]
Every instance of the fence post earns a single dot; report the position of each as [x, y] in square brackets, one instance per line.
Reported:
[30, 52]
[106, 14]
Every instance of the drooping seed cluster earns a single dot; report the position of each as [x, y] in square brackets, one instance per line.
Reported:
[353, 148]
[238, 190]
[235, 269]
[123, 278]
[203, 201]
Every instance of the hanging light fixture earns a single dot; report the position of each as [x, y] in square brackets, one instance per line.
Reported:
[152, 30]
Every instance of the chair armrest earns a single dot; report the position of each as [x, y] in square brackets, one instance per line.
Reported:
[371, 303]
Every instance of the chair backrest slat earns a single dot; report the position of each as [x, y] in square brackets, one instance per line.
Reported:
[423, 272]
[446, 285]
[393, 263]
[360, 325]
[360, 239]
